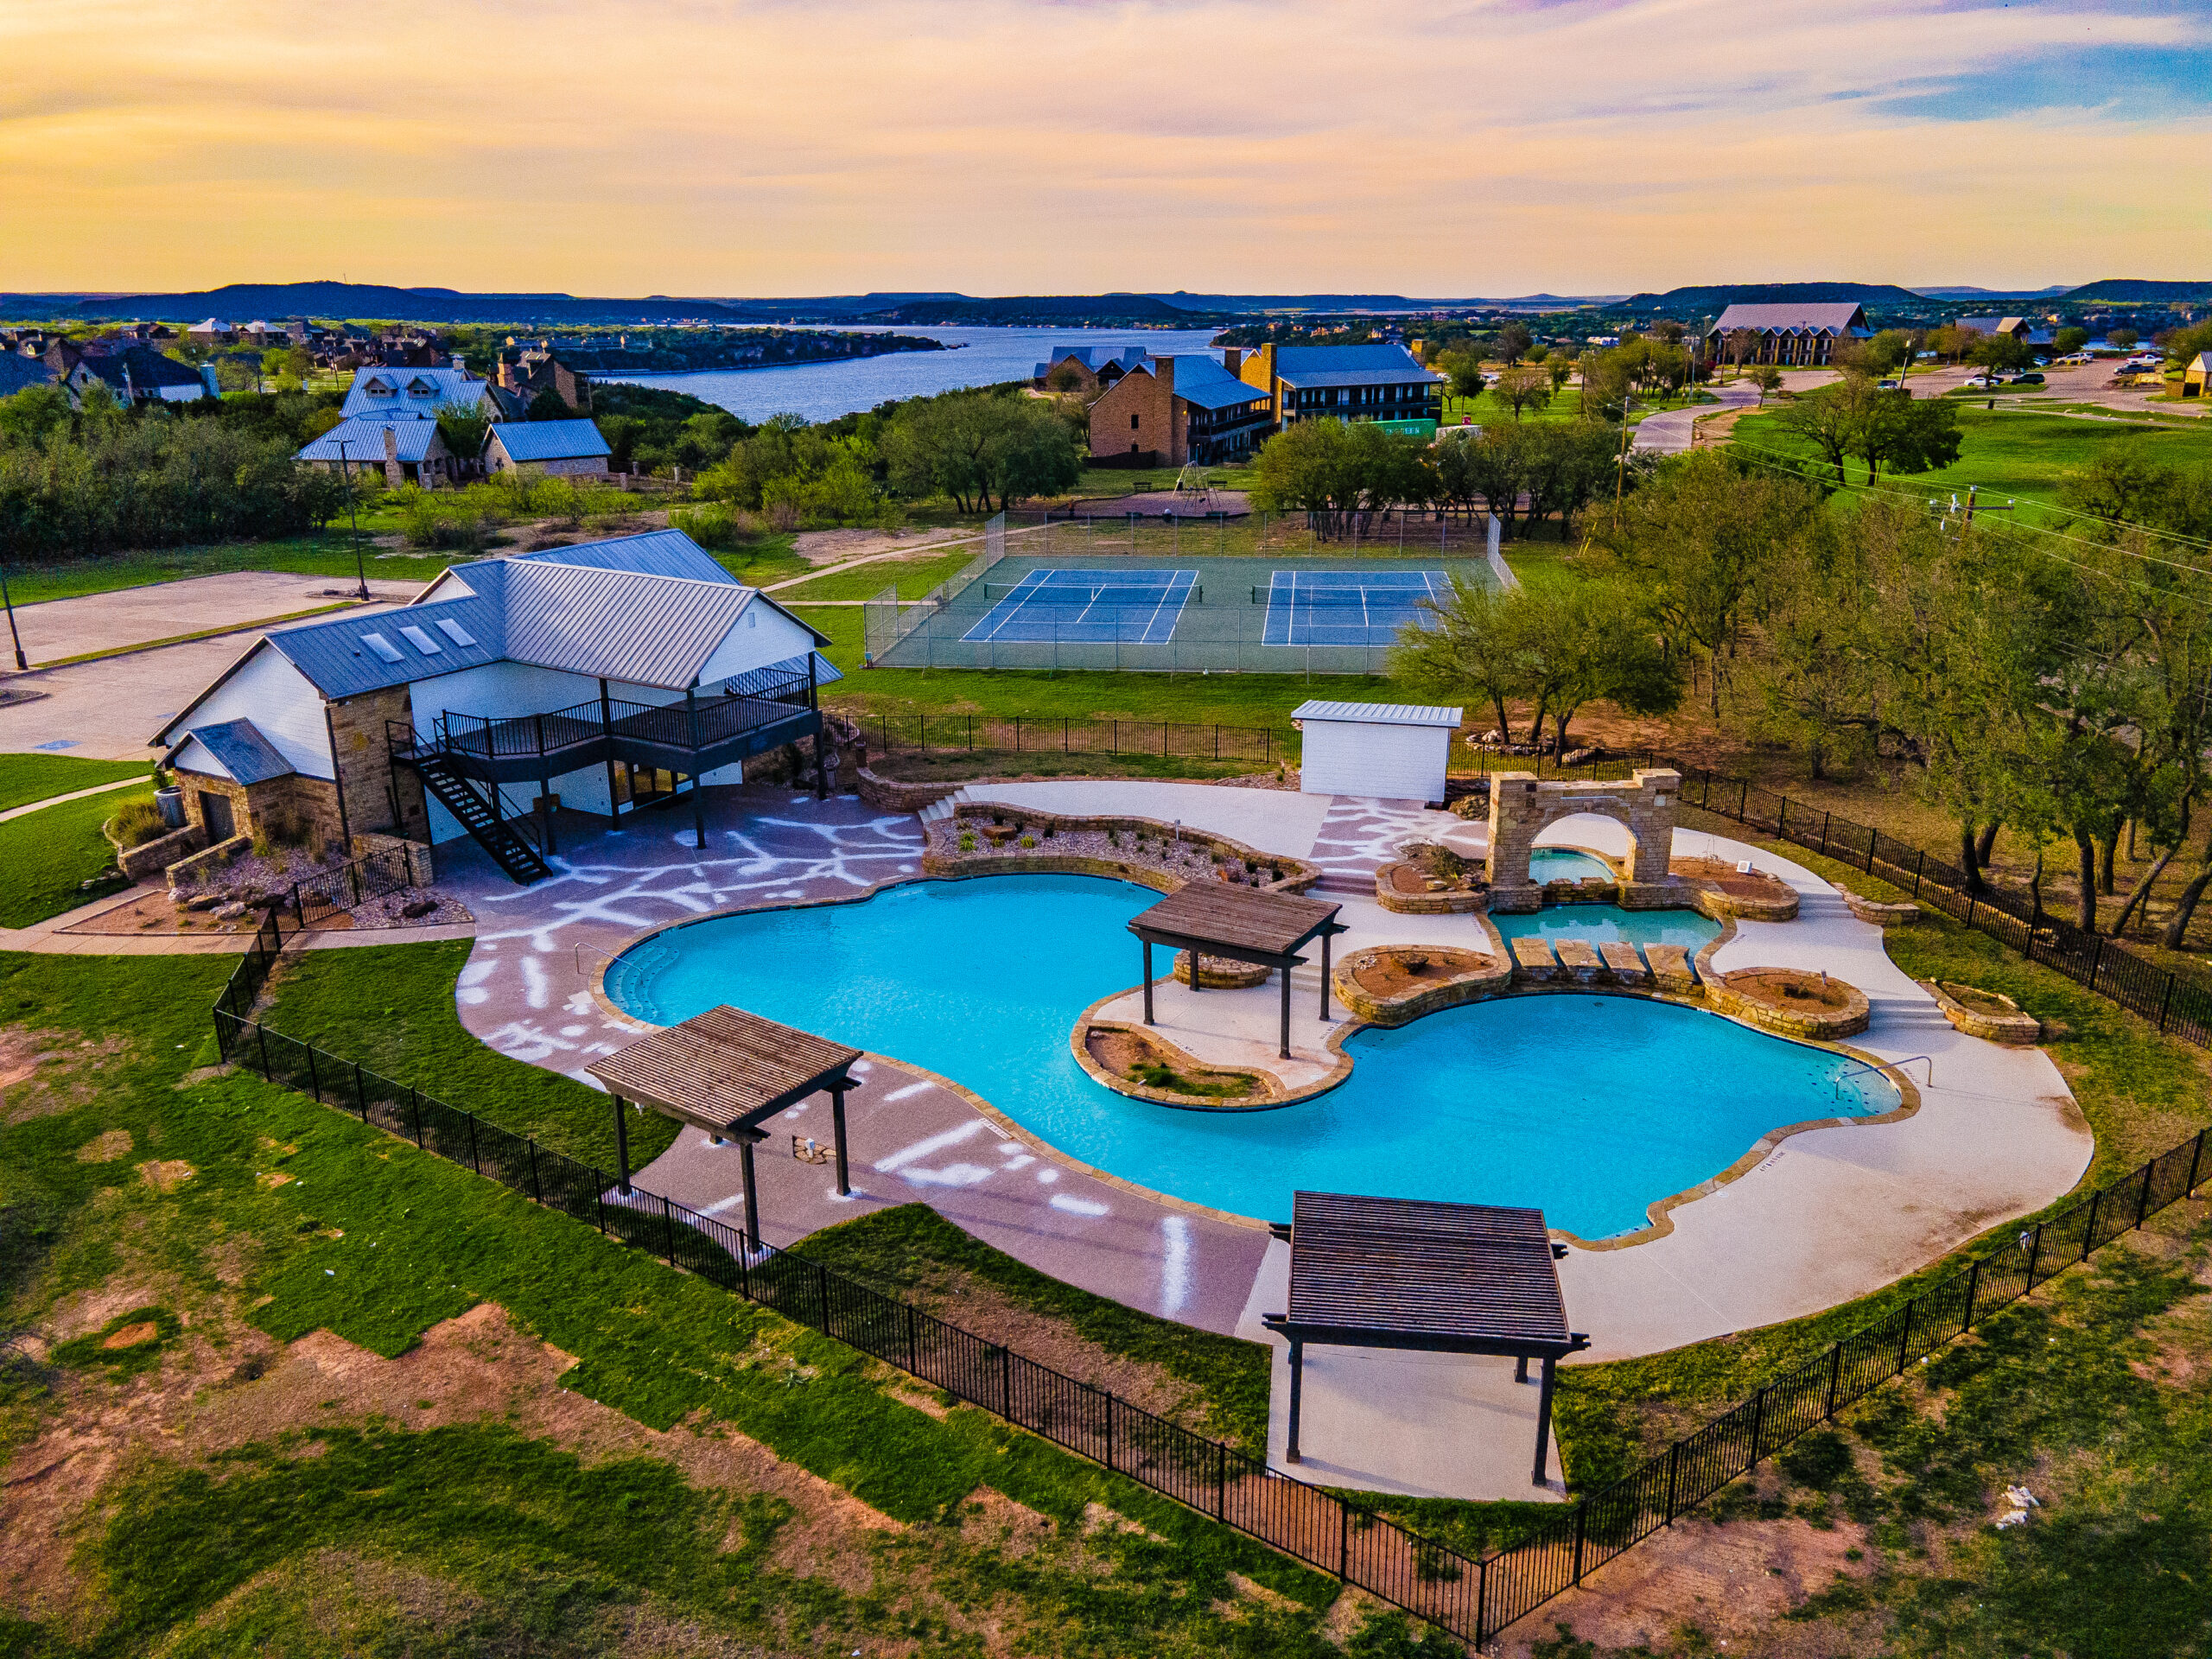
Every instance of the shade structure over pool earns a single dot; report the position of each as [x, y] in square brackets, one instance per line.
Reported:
[1214, 919]
[1410, 1273]
[726, 1070]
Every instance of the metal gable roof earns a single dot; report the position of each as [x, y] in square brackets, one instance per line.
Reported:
[1379, 714]
[549, 440]
[419, 393]
[240, 749]
[651, 553]
[1389, 362]
[341, 661]
[1310, 379]
[364, 440]
[1202, 381]
[1841, 318]
[618, 625]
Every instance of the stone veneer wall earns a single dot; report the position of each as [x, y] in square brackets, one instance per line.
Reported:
[149, 859]
[1520, 806]
[364, 768]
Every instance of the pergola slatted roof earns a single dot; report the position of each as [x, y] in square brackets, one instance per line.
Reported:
[1408, 1268]
[721, 1068]
[1411, 1273]
[1245, 923]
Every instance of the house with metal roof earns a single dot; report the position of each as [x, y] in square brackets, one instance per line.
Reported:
[1385, 384]
[137, 374]
[1794, 336]
[404, 451]
[547, 448]
[2021, 328]
[2196, 376]
[1174, 410]
[382, 393]
[1088, 369]
[607, 679]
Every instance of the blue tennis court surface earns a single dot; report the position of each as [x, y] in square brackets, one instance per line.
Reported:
[1082, 607]
[1347, 608]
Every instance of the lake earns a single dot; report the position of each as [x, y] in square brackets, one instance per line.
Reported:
[822, 392]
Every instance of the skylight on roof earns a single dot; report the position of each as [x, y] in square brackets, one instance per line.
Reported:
[383, 647]
[455, 632]
[421, 641]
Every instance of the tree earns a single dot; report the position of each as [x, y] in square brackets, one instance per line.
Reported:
[1520, 389]
[1742, 343]
[2181, 346]
[1889, 350]
[1560, 367]
[980, 447]
[463, 430]
[2121, 339]
[1464, 371]
[1907, 434]
[1767, 378]
[1998, 352]
[1832, 417]
[548, 405]
[2070, 340]
[1513, 343]
[1335, 472]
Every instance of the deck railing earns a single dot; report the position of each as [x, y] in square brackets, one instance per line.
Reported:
[686, 727]
[1473, 1596]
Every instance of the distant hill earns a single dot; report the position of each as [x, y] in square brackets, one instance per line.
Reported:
[2133, 291]
[1961, 292]
[1716, 297]
[243, 302]
[1037, 310]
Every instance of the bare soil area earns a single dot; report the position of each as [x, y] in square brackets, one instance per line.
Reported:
[1397, 975]
[1725, 879]
[1790, 987]
[1138, 1058]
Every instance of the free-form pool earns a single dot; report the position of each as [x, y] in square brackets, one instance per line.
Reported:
[1565, 864]
[1589, 1107]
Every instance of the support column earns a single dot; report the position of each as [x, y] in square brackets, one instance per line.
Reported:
[1326, 935]
[1544, 1419]
[606, 731]
[747, 1136]
[837, 1124]
[622, 1143]
[1286, 1000]
[698, 806]
[1297, 1390]
[1148, 981]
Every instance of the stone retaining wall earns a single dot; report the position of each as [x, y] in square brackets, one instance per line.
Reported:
[1881, 915]
[890, 795]
[1474, 985]
[190, 872]
[2017, 1029]
[149, 859]
[1427, 904]
[1298, 875]
[1819, 1025]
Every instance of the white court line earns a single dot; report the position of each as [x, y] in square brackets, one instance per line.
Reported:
[1034, 580]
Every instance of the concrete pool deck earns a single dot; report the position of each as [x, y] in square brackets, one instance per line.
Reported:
[1829, 1215]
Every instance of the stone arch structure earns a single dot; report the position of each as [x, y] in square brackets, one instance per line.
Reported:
[1520, 806]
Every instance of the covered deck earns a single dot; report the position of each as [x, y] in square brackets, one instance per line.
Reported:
[1212, 918]
[727, 1071]
[1413, 1274]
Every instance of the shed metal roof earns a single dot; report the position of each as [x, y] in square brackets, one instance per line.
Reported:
[1425, 1273]
[1361, 359]
[1379, 714]
[239, 748]
[648, 553]
[549, 440]
[364, 441]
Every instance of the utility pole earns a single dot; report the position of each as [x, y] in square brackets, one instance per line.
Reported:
[21, 661]
[353, 518]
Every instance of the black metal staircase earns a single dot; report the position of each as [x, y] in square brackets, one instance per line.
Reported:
[454, 792]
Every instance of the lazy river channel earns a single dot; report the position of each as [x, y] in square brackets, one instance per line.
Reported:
[1587, 1107]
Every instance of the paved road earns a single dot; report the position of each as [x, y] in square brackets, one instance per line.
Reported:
[60, 628]
[1669, 432]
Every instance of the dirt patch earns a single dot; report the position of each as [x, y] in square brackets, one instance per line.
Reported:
[42, 1072]
[104, 1148]
[837, 546]
[991, 1519]
[1724, 877]
[131, 1335]
[1139, 1059]
[1399, 973]
[165, 1174]
[1790, 987]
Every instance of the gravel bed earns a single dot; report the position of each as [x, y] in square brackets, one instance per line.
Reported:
[1185, 859]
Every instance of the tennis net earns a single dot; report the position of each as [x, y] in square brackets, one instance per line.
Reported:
[1348, 598]
[1113, 597]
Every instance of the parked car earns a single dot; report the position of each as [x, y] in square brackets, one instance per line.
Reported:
[1891, 385]
[2074, 359]
[2030, 378]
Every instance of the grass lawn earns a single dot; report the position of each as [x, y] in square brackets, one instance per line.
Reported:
[912, 1252]
[770, 559]
[47, 853]
[2023, 453]
[27, 778]
[542, 1524]
[392, 1007]
[1490, 410]
[915, 577]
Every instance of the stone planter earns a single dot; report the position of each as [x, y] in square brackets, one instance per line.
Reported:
[1881, 915]
[1719, 890]
[1987, 1015]
[1790, 1002]
[1450, 978]
[1097, 1043]
[1223, 973]
[1405, 889]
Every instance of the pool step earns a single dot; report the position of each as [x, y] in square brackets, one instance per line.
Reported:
[1906, 1013]
[1339, 880]
[945, 808]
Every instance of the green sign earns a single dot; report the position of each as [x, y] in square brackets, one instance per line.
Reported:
[1409, 429]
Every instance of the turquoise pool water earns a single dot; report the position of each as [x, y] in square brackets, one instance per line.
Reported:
[1599, 923]
[1559, 864]
[1588, 1107]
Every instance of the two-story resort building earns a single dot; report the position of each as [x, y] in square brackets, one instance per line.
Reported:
[1385, 384]
[604, 677]
[1174, 410]
[1793, 336]
[1086, 369]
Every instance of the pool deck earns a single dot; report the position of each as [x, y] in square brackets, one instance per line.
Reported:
[1829, 1215]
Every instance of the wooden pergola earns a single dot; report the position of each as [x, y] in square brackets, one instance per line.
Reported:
[1212, 918]
[1441, 1278]
[726, 1071]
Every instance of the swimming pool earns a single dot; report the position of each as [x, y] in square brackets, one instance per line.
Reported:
[1564, 864]
[1589, 1107]
[1599, 923]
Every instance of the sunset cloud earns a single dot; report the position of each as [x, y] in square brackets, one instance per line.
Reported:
[1485, 146]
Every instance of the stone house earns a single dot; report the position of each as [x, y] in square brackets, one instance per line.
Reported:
[1381, 383]
[407, 451]
[1174, 410]
[546, 449]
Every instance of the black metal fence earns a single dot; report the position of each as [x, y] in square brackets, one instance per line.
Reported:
[1068, 734]
[314, 899]
[1474, 1597]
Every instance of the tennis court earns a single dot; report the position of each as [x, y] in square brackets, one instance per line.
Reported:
[1347, 607]
[1138, 607]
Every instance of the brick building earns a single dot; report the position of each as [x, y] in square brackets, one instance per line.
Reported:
[1174, 410]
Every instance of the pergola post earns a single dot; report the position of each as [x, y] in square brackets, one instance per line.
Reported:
[1326, 934]
[1297, 1390]
[1544, 1419]
[1148, 981]
[837, 1123]
[622, 1143]
[1286, 1000]
[746, 1138]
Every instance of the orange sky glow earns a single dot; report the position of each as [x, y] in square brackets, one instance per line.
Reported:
[1427, 147]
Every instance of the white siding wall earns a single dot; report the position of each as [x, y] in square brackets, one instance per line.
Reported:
[762, 635]
[1400, 763]
[278, 698]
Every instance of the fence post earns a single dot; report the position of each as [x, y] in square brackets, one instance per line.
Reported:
[1835, 1378]
[2035, 1247]
[668, 1230]
[1743, 799]
[537, 1191]
[415, 1113]
[1920, 864]
[1904, 1336]
[360, 1093]
[911, 1366]
[1781, 820]
[599, 1199]
[2193, 1158]
[1481, 1600]
[1109, 1428]
[314, 1078]
[1006, 1384]
[474, 1162]
[2089, 1232]
[2165, 1001]
[261, 1032]
[1758, 1420]
[2096, 962]
[1221, 1480]
[821, 1292]
[1673, 1468]
[1824, 818]
[2143, 1204]
[1581, 1527]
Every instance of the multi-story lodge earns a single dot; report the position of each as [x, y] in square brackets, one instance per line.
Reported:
[1175, 410]
[1384, 384]
[603, 677]
[1792, 336]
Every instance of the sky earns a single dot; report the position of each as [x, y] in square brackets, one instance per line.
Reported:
[1437, 147]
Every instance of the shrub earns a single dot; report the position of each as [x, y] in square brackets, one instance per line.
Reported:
[967, 842]
[1029, 840]
[135, 824]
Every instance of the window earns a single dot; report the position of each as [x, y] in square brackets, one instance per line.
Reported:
[1133, 422]
[383, 647]
[421, 640]
[455, 632]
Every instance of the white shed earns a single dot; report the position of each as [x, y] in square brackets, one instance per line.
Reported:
[1396, 750]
